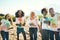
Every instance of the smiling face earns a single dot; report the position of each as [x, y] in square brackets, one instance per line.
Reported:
[32, 14]
[7, 16]
[44, 12]
[19, 13]
[51, 11]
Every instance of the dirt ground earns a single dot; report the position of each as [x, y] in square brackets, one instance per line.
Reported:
[12, 34]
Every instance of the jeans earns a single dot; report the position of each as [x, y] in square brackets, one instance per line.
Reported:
[5, 35]
[59, 33]
[33, 33]
[52, 35]
[21, 30]
[45, 34]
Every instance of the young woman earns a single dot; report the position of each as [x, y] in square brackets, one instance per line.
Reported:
[5, 24]
[44, 22]
[32, 22]
[53, 25]
[20, 22]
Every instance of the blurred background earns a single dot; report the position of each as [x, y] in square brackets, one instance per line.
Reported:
[11, 6]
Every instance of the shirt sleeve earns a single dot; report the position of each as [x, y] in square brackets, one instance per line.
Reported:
[37, 20]
[56, 18]
[17, 22]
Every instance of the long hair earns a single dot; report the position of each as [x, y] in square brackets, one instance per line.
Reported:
[8, 19]
[6, 15]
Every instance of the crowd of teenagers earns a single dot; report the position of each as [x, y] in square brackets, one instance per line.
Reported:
[48, 26]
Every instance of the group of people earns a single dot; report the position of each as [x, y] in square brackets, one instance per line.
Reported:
[48, 25]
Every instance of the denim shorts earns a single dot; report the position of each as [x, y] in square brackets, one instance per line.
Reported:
[19, 29]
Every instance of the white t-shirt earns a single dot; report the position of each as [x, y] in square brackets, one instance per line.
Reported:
[44, 25]
[5, 25]
[55, 21]
[34, 21]
[20, 20]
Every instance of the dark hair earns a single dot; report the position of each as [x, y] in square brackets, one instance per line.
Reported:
[50, 9]
[44, 9]
[22, 13]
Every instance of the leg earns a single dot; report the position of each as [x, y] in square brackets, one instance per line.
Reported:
[17, 36]
[24, 35]
[51, 35]
[18, 33]
[3, 35]
[31, 33]
[35, 34]
[57, 36]
[45, 34]
[7, 36]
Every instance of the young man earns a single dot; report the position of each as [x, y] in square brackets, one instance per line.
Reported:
[53, 25]
[44, 21]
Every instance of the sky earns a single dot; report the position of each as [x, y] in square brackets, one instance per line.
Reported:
[11, 6]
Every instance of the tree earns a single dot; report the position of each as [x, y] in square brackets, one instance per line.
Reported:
[1, 16]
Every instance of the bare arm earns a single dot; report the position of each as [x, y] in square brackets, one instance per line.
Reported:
[40, 26]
